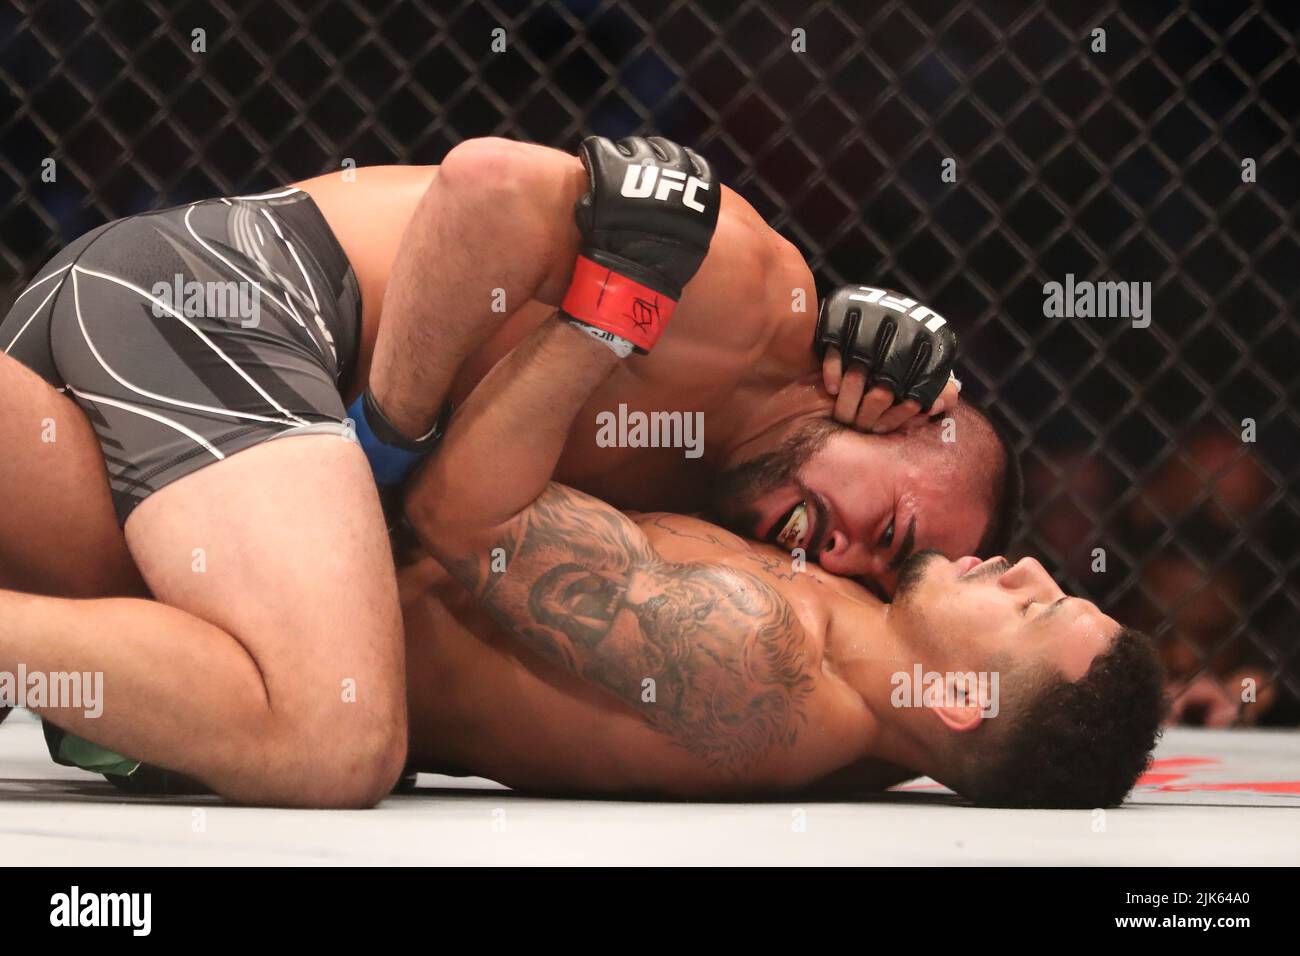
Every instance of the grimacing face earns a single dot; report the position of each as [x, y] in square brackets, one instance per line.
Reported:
[986, 608]
[861, 505]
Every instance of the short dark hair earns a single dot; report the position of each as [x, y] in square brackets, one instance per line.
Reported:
[1008, 496]
[1076, 745]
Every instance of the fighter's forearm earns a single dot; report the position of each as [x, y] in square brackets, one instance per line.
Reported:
[503, 444]
[709, 655]
[494, 231]
[580, 583]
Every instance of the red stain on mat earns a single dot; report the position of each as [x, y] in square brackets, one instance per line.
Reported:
[1160, 777]
[1163, 777]
[1155, 774]
[1262, 786]
[1149, 779]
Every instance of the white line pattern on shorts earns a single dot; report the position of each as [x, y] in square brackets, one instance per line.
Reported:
[290, 418]
[244, 275]
[275, 195]
[47, 298]
[125, 406]
[293, 252]
[244, 226]
[320, 323]
[43, 280]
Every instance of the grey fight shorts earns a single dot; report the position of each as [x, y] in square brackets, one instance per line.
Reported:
[191, 333]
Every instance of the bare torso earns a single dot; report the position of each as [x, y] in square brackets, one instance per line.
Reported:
[481, 704]
[740, 335]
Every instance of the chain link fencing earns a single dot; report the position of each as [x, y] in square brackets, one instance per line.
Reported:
[969, 153]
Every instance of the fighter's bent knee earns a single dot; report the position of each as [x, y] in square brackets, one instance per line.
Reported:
[352, 771]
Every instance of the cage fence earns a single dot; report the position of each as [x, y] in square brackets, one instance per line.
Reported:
[1161, 460]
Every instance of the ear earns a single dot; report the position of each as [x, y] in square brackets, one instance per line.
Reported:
[960, 710]
[960, 719]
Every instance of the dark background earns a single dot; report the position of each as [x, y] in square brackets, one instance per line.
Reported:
[1123, 165]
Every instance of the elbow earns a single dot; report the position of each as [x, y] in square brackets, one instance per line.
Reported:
[524, 191]
[429, 512]
[490, 167]
[444, 517]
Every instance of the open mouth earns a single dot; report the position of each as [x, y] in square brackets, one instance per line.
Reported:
[792, 529]
[805, 525]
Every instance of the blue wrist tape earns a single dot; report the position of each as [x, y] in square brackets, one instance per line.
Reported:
[390, 463]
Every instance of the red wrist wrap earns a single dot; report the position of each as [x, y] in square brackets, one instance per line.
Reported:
[603, 298]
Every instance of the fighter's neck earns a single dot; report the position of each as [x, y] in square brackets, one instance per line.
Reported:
[866, 653]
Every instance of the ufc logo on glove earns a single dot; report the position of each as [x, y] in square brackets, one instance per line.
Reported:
[639, 183]
[914, 359]
[636, 256]
[909, 307]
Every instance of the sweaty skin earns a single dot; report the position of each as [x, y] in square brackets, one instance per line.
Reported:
[745, 373]
[659, 654]
[810, 664]
[483, 704]
[464, 259]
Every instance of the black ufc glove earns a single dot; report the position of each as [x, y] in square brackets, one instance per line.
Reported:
[905, 345]
[646, 223]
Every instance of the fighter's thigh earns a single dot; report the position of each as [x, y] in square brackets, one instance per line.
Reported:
[58, 533]
[284, 546]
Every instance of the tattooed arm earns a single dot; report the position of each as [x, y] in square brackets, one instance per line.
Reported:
[708, 654]
[582, 585]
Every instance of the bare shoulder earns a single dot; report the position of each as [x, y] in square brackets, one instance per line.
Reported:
[749, 235]
[671, 533]
[728, 657]
[765, 239]
[684, 538]
[749, 275]
[733, 671]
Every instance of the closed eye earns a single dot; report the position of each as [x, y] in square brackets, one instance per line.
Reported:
[887, 538]
[1024, 608]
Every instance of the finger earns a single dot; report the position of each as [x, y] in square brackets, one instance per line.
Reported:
[832, 371]
[667, 151]
[897, 415]
[874, 404]
[852, 384]
[946, 401]
[915, 422]
[700, 165]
